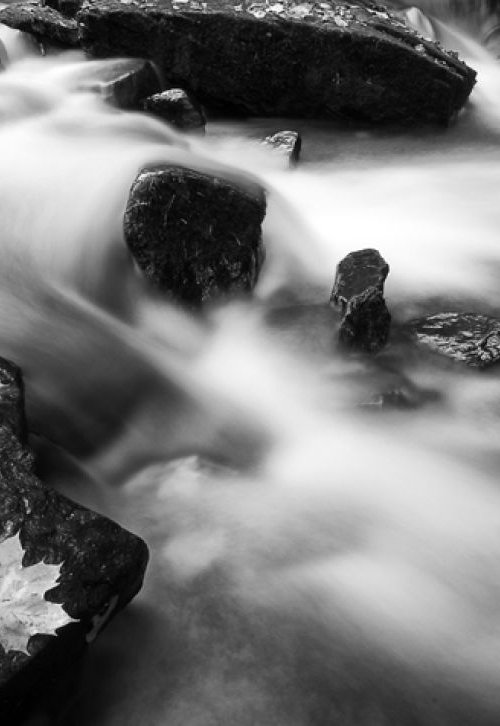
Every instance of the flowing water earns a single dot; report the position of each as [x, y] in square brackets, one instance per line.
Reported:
[314, 560]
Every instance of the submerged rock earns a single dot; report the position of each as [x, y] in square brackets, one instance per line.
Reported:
[123, 82]
[468, 338]
[331, 60]
[177, 108]
[288, 143]
[195, 235]
[64, 572]
[42, 21]
[366, 322]
[358, 291]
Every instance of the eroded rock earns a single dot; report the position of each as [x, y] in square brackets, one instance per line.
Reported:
[357, 272]
[196, 236]
[42, 21]
[468, 338]
[60, 565]
[287, 143]
[177, 108]
[333, 60]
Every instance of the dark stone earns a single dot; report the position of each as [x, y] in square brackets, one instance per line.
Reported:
[42, 21]
[102, 568]
[465, 337]
[332, 60]
[12, 412]
[288, 143]
[366, 322]
[358, 291]
[355, 273]
[124, 82]
[195, 235]
[177, 108]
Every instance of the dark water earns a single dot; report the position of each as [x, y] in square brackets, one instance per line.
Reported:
[313, 563]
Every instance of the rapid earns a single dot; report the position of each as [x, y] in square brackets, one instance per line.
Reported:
[315, 559]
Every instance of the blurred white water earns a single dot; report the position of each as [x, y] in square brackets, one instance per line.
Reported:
[313, 562]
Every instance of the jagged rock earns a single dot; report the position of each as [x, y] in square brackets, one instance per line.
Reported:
[366, 322]
[195, 235]
[333, 60]
[288, 143]
[469, 338]
[42, 21]
[102, 568]
[177, 108]
[358, 292]
[123, 82]
[355, 273]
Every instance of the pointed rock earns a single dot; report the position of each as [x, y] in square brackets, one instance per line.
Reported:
[288, 143]
[177, 108]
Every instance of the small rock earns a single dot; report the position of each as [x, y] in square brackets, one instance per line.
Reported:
[355, 273]
[124, 82]
[195, 235]
[366, 322]
[288, 143]
[65, 571]
[359, 292]
[43, 22]
[177, 108]
[469, 338]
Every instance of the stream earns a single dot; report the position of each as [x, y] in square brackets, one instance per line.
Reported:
[316, 559]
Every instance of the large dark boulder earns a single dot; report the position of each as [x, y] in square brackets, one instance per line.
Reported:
[48, 615]
[196, 236]
[44, 22]
[333, 60]
[468, 338]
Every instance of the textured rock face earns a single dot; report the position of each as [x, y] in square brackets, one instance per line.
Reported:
[101, 569]
[316, 60]
[177, 108]
[464, 337]
[358, 291]
[355, 273]
[41, 21]
[288, 143]
[194, 235]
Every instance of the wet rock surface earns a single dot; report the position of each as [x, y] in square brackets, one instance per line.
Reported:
[66, 7]
[356, 273]
[42, 21]
[124, 82]
[177, 108]
[331, 60]
[468, 338]
[101, 569]
[358, 293]
[194, 235]
[287, 143]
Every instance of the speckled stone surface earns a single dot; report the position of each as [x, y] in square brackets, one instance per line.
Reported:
[177, 108]
[468, 338]
[43, 22]
[102, 565]
[336, 60]
[195, 236]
